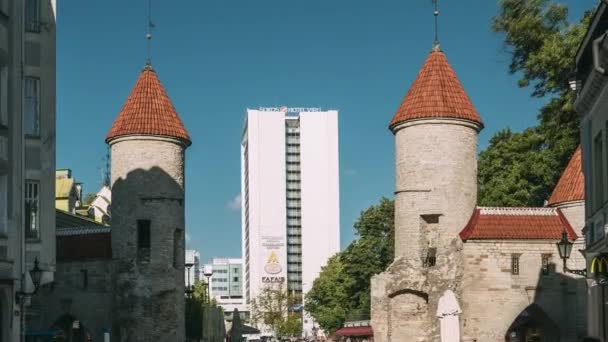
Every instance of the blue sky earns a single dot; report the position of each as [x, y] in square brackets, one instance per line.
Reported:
[218, 57]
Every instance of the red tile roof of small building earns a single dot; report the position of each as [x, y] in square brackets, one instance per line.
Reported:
[148, 111]
[571, 185]
[517, 224]
[436, 93]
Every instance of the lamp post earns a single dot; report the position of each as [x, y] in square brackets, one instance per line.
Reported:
[188, 292]
[189, 286]
[36, 275]
[564, 247]
[208, 272]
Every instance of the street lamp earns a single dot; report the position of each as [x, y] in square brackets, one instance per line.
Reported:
[564, 247]
[208, 272]
[189, 289]
[36, 275]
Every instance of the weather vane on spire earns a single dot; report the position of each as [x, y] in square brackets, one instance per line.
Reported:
[436, 14]
[149, 32]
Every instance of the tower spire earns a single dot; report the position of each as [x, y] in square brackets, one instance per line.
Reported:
[436, 14]
[149, 33]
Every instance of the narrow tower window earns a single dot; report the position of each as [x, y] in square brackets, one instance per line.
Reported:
[546, 262]
[177, 242]
[85, 279]
[143, 240]
[515, 264]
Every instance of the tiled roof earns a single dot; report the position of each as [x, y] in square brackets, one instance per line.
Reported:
[571, 185]
[83, 230]
[148, 111]
[64, 219]
[436, 93]
[517, 224]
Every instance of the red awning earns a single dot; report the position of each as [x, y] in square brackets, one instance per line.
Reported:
[355, 331]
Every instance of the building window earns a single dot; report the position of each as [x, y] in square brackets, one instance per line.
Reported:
[605, 180]
[32, 107]
[3, 96]
[546, 263]
[235, 279]
[32, 15]
[85, 279]
[3, 205]
[143, 240]
[32, 213]
[598, 172]
[515, 264]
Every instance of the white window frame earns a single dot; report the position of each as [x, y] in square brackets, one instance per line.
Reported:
[32, 201]
[32, 102]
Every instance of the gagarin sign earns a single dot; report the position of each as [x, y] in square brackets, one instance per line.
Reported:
[273, 256]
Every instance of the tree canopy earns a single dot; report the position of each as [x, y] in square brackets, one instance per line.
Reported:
[521, 168]
[342, 290]
[274, 307]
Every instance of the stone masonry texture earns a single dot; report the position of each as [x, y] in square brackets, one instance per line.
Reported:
[148, 184]
[436, 194]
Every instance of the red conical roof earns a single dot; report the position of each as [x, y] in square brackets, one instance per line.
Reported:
[148, 111]
[436, 93]
[571, 185]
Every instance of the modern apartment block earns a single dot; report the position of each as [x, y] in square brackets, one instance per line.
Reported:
[193, 267]
[227, 286]
[290, 197]
[27, 158]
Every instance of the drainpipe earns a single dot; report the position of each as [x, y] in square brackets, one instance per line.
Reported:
[596, 53]
[21, 227]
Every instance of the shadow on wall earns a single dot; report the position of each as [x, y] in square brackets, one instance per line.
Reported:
[148, 250]
[557, 311]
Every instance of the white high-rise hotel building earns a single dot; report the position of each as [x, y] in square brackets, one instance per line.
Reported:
[290, 198]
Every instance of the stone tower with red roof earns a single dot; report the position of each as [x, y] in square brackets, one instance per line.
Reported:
[436, 129]
[148, 143]
[495, 266]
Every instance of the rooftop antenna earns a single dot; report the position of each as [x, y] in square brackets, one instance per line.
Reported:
[149, 33]
[436, 14]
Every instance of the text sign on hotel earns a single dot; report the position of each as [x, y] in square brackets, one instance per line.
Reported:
[289, 109]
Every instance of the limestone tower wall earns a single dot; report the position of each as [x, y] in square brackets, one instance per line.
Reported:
[436, 184]
[148, 194]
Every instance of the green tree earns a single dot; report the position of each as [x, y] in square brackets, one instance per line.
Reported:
[329, 300]
[542, 45]
[342, 290]
[274, 307]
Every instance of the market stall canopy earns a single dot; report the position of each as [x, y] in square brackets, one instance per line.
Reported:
[355, 331]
